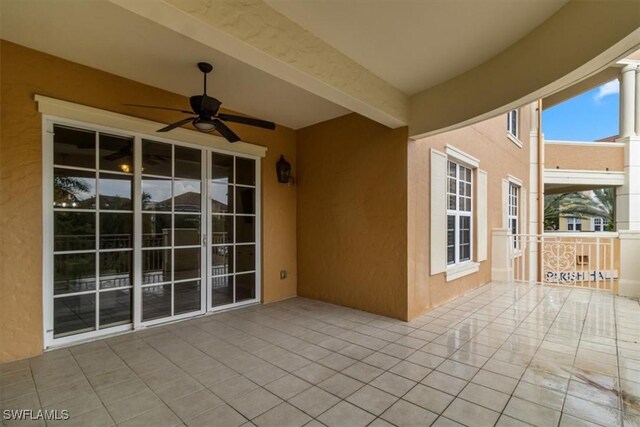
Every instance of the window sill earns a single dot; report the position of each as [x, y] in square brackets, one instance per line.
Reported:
[457, 271]
[514, 139]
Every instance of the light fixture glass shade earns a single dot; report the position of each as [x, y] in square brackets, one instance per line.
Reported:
[204, 126]
[283, 170]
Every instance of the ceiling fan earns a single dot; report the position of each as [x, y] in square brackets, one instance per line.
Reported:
[207, 118]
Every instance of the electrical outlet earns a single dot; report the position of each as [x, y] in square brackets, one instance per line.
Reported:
[283, 274]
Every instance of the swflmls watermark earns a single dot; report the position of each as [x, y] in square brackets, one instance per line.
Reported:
[35, 414]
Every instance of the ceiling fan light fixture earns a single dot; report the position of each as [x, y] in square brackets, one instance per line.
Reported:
[204, 125]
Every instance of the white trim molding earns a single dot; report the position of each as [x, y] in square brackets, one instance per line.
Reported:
[460, 270]
[583, 177]
[516, 181]
[515, 139]
[69, 110]
[462, 157]
[599, 144]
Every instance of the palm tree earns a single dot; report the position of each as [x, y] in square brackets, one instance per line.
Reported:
[596, 203]
[552, 210]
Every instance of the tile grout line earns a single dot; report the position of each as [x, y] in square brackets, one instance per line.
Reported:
[551, 289]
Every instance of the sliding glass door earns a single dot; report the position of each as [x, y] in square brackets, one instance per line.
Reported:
[172, 250]
[140, 231]
[233, 230]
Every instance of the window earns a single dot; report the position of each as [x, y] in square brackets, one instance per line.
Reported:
[512, 123]
[600, 224]
[459, 213]
[574, 224]
[512, 214]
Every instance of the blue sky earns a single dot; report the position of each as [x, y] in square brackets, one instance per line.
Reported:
[587, 117]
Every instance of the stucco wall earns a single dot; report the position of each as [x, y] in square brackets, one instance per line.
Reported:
[499, 157]
[352, 215]
[26, 72]
[582, 157]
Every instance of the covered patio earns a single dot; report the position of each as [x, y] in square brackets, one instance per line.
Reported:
[503, 354]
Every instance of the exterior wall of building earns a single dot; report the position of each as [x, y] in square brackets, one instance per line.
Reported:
[352, 215]
[27, 72]
[500, 157]
[602, 156]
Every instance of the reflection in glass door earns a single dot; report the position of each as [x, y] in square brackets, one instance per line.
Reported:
[92, 231]
[171, 230]
[233, 230]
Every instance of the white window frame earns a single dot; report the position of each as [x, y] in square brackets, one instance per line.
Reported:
[513, 129]
[599, 222]
[459, 213]
[513, 133]
[513, 213]
[137, 131]
[573, 222]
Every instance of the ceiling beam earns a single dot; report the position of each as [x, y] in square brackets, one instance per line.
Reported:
[253, 32]
[578, 41]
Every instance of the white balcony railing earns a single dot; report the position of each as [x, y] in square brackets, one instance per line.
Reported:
[562, 259]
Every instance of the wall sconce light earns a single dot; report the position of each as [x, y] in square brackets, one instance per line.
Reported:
[283, 170]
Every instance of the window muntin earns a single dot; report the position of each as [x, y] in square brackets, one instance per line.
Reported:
[513, 211]
[512, 123]
[574, 224]
[459, 213]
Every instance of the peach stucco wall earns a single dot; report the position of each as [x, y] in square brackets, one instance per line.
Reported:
[352, 222]
[582, 157]
[27, 72]
[499, 157]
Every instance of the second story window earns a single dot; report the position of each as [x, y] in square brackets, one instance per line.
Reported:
[513, 123]
[600, 224]
[459, 213]
[574, 224]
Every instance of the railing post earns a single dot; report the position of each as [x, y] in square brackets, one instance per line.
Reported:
[501, 264]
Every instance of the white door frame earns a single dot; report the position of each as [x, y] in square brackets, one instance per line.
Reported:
[48, 248]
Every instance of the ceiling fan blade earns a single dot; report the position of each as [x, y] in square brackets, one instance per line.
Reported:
[247, 121]
[226, 132]
[176, 125]
[159, 108]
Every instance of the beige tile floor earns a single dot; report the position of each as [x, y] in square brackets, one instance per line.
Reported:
[503, 355]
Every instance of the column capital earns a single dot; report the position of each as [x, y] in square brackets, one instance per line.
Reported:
[629, 67]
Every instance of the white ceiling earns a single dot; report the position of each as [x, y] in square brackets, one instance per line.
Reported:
[102, 35]
[416, 44]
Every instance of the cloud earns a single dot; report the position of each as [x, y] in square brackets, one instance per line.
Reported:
[609, 88]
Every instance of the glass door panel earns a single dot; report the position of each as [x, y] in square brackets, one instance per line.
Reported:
[232, 197]
[92, 231]
[171, 230]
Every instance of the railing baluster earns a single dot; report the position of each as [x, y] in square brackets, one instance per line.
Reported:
[598, 262]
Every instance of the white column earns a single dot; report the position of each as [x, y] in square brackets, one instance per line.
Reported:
[627, 101]
[637, 104]
[629, 276]
[534, 197]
